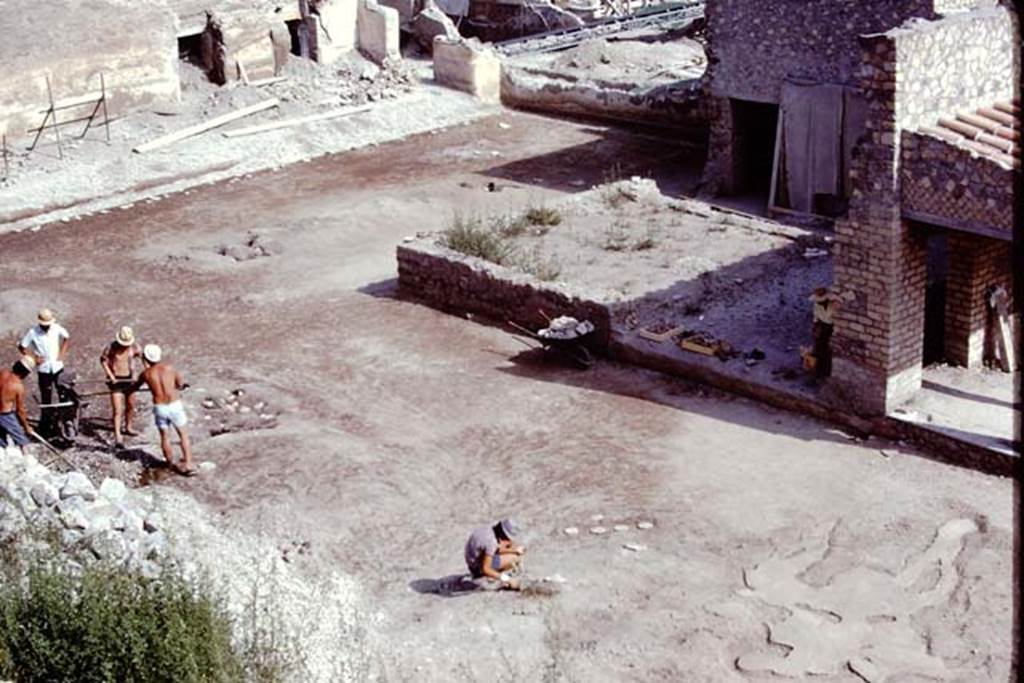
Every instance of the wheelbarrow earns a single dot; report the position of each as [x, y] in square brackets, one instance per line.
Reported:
[572, 348]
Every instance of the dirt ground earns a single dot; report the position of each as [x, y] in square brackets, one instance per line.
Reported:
[778, 545]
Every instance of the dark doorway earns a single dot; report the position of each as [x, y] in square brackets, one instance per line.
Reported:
[755, 126]
[935, 297]
[190, 49]
[298, 29]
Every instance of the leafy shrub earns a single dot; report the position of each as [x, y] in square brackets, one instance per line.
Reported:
[101, 623]
[471, 237]
[542, 215]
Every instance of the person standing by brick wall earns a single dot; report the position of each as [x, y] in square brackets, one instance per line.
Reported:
[825, 305]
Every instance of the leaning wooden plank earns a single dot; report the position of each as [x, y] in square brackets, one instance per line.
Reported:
[202, 127]
[267, 81]
[660, 337]
[67, 103]
[287, 123]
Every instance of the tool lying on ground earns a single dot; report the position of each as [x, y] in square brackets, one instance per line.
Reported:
[565, 336]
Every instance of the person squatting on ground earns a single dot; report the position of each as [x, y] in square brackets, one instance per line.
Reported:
[47, 343]
[165, 382]
[490, 552]
[118, 363]
[14, 424]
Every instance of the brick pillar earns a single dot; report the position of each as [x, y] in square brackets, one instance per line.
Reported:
[975, 264]
[879, 259]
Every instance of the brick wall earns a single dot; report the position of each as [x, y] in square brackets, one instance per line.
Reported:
[975, 264]
[952, 186]
[905, 75]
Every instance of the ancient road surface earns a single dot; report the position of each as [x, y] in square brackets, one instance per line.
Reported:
[779, 546]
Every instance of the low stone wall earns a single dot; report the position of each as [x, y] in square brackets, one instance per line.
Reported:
[468, 66]
[336, 29]
[378, 30]
[458, 283]
[955, 187]
[678, 105]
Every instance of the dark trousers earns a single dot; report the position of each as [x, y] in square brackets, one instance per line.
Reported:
[822, 349]
[47, 394]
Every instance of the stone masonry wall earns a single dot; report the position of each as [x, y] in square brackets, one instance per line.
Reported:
[465, 284]
[951, 186]
[754, 45]
[955, 65]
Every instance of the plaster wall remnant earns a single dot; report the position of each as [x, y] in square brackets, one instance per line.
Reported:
[468, 66]
[337, 34]
[910, 76]
[378, 30]
[133, 44]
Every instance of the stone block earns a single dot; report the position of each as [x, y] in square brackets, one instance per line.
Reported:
[429, 24]
[78, 485]
[468, 66]
[378, 31]
[337, 32]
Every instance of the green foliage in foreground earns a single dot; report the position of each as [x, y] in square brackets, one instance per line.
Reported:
[107, 624]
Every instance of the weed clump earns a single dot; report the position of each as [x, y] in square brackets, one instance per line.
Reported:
[471, 237]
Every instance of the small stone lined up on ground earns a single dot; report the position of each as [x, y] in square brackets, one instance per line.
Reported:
[237, 413]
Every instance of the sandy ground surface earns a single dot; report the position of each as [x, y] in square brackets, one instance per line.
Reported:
[979, 405]
[397, 429]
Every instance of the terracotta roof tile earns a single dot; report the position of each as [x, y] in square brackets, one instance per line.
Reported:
[992, 132]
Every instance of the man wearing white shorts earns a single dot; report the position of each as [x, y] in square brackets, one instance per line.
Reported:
[164, 381]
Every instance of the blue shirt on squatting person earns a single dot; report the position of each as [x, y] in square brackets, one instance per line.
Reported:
[490, 551]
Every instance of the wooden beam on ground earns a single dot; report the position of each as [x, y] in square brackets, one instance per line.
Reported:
[267, 81]
[288, 123]
[171, 138]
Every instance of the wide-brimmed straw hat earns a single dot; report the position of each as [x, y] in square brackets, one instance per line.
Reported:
[125, 336]
[46, 317]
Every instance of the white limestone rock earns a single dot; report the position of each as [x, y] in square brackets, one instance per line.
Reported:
[77, 484]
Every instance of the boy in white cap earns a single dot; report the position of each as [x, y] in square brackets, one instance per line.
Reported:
[118, 363]
[165, 382]
[14, 424]
[490, 552]
[47, 344]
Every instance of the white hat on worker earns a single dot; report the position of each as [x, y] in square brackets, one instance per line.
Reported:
[46, 317]
[152, 353]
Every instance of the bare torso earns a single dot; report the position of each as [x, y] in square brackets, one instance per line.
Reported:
[163, 381]
[12, 389]
[118, 360]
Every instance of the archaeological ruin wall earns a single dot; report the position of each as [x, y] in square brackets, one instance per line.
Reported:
[132, 44]
[909, 77]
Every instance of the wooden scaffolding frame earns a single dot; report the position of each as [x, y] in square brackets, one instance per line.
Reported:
[98, 100]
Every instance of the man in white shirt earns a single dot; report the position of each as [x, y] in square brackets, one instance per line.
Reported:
[47, 343]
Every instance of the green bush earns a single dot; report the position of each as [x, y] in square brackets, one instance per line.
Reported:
[471, 237]
[107, 624]
[542, 215]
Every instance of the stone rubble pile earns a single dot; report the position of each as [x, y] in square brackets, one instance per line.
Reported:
[110, 522]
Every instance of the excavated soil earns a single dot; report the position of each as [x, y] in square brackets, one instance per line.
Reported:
[400, 428]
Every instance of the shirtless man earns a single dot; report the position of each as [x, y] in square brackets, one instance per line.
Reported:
[165, 382]
[118, 363]
[13, 423]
